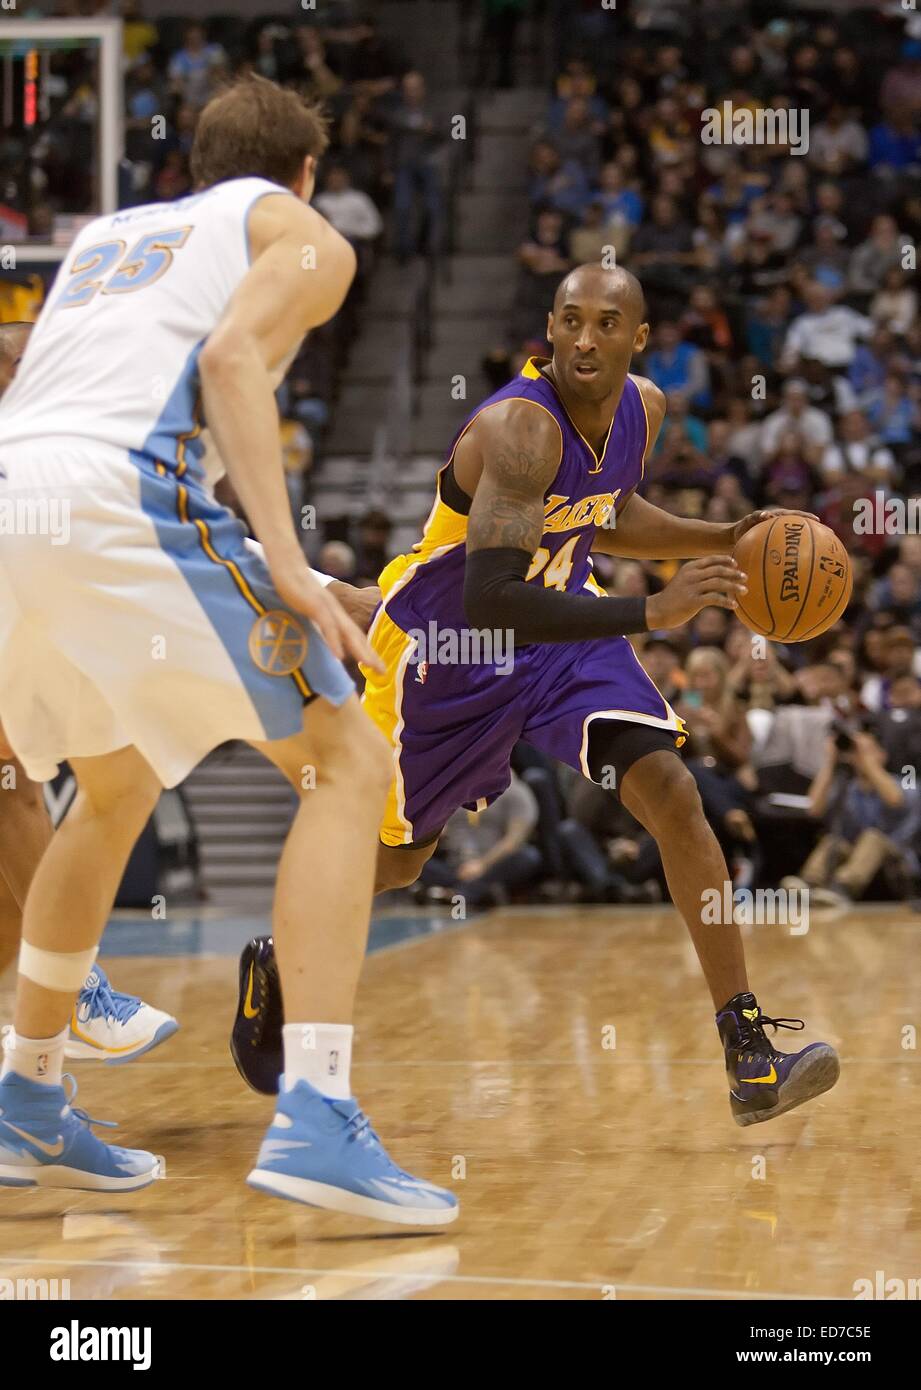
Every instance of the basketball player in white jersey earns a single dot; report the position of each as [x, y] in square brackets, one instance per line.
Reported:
[138, 632]
[106, 1025]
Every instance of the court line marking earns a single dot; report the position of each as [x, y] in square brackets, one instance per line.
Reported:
[436, 1276]
[552, 1062]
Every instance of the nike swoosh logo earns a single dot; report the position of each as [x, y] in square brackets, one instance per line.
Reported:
[248, 1010]
[760, 1080]
[52, 1150]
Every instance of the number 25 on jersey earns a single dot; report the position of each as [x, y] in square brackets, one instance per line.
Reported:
[106, 268]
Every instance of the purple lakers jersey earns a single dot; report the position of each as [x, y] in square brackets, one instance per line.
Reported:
[587, 491]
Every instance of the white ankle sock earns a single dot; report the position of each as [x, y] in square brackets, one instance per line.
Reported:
[320, 1053]
[37, 1059]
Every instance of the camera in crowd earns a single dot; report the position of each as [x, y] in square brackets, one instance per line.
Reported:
[843, 729]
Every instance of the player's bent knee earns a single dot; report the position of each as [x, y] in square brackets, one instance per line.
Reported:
[340, 746]
[663, 794]
[126, 811]
[362, 759]
[399, 868]
[121, 787]
[685, 806]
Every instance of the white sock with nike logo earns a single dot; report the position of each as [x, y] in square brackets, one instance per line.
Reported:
[320, 1053]
[37, 1059]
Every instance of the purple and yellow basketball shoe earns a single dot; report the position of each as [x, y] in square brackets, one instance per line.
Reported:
[763, 1082]
[256, 1039]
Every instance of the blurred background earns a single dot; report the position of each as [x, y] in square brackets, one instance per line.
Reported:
[479, 151]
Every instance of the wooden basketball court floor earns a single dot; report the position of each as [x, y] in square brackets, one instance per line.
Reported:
[484, 1056]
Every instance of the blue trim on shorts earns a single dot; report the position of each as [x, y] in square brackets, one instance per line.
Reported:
[277, 699]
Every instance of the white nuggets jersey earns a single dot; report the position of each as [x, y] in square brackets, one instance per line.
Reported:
[131, 609]
[113, 357]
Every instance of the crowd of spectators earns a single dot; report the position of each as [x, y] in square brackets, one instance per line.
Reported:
[379, 180]
[783, 294]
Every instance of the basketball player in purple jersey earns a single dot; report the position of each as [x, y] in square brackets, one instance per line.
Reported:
[543, 473]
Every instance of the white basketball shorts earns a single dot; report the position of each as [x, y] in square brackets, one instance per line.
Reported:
[132, 612]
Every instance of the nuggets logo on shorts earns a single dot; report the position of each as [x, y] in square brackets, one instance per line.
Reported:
[278, 643]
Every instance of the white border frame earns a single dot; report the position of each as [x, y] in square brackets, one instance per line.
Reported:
[111, 108]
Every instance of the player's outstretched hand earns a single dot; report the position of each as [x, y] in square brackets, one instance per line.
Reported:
[300, 592]
[713, 582]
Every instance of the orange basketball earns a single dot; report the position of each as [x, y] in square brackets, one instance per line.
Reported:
[799, 578]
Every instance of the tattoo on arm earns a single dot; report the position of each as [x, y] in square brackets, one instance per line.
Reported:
[508, 507]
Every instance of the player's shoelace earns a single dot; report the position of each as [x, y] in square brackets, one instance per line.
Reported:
[359, 1127]
[82, 1115]
[362, 1132]
[101, 1000]
[752, 1037]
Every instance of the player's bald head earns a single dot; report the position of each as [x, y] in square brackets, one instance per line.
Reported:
[13, 339]
[592, 281]
[597, 327]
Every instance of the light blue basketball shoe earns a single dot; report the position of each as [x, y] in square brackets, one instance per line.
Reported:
[324, 1152]
[46, 1143]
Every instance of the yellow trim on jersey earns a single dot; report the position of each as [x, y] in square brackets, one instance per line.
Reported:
[491, 405]
[383, 703]
[444, 528]
[182, 511]
[646, 413]
[536, 374]
[681, 724]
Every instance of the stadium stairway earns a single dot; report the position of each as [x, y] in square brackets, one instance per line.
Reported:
[473, 298]
[241, 808]
[471, 307]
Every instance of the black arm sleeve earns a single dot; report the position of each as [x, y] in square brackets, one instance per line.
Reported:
[496, 596]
